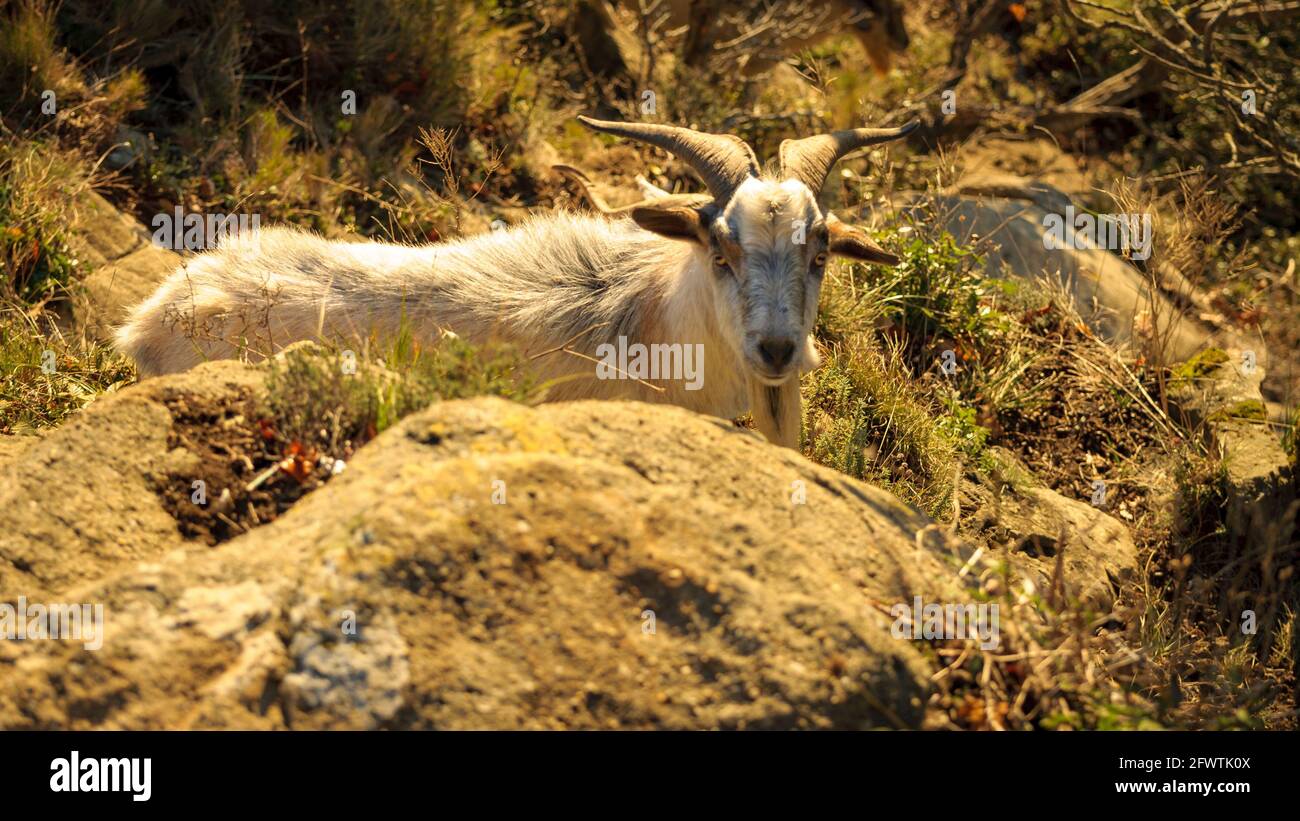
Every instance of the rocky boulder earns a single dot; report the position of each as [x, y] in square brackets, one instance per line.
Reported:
[125, 266]
[481, 564]
[83, 500]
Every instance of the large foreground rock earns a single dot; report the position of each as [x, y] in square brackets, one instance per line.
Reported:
[82, 502]
[483, 564]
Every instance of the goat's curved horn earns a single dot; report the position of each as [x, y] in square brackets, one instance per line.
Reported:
[810, 160]
[723, 161]
[599, 204]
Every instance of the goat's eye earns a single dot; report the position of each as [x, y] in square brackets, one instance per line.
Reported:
[820, 260]
[720, 261]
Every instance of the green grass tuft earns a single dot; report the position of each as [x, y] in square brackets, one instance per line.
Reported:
[45, 377]
[37, 185]
[864, 417]
[332, 399]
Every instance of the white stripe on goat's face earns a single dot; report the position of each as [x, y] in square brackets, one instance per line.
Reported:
[769, 247]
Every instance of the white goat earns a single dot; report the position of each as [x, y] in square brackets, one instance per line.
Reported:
[737, 271]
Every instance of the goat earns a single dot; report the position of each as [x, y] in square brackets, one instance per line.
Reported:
[735, 274]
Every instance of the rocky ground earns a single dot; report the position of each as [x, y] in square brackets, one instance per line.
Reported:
[485, 564]
[489, 564]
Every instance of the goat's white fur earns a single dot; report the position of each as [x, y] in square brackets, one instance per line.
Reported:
[736, 274]
[552, 280]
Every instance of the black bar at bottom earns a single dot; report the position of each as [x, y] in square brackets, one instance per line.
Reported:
[555, 771]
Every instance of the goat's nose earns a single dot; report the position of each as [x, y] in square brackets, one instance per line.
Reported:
[776, 353]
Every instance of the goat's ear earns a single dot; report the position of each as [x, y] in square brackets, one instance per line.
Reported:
[847, 241]
[674, 221]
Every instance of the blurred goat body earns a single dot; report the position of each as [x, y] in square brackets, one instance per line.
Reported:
[763, 34]
[734, 274]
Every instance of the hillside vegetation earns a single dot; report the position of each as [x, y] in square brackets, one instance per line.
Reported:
[424, 120]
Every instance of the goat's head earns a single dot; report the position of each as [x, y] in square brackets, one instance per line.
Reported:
[767, 238]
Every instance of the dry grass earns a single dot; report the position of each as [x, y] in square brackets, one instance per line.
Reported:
[38, 183]
[46, 376]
